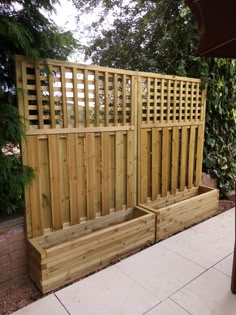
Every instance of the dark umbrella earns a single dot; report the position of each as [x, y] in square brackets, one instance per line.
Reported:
[217, 28]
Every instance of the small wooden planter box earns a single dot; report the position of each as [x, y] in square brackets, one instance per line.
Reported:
[66, 255]
[174, 213]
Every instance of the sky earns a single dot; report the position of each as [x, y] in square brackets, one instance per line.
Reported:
[65, 17]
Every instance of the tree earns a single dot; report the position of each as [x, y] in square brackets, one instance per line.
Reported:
[161, 36]
[24, 30]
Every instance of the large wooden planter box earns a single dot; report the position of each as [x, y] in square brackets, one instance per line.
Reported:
[176, 212]
[66, 255]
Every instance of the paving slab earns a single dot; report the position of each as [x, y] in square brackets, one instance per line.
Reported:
[108, 292]
[167, 307]
[209, 294]
[225, 265]
[160, 271]
[207, 243]
[48, 305]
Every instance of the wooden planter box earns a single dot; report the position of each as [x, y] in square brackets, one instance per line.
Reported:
[177, 212]
[66, 255]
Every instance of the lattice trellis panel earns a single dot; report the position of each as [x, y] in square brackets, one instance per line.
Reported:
[171, 135]
[59, 96]
[168, 100]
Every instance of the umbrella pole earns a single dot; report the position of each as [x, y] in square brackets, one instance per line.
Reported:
[233, 280]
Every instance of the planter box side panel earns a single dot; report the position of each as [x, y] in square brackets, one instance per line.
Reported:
[175, 218]
[71, 260]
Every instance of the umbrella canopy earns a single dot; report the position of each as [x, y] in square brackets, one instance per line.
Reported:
[217, 27]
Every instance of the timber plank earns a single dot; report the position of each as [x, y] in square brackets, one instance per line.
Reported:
[105, 173]
[119, 170]
[54, 169]
[90, 158]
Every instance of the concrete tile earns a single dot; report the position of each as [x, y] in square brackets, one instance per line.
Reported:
[167, 307]
[225, 265]
[209, 294]
[47, 306]
[108, 292]
[207, 243]
[159, 270]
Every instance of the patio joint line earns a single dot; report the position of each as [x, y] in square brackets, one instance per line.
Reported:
[180, 306]
[190, 282]
[152, 307]
[171, 250]
[61, 303]
[124, 272]
[219, 262]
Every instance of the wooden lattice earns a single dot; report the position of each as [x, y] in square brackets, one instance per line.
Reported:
[101, 140]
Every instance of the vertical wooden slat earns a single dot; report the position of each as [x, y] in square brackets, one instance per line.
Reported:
[82, 177]
[155, 102]
[168, 101]
[90, 158]
[169, 154]
[165, 145]
[51, 97]
[183, 161]
[86, 98]
[162, 101]
[96, 96]
[132, 108]
[39, 96]
[186, 108]
[124, 100]
[174, 162]
[144, 166]
[75, 191]
[180, 101]
[34, 188]
[119, 169]
[203, 105]
[191, 156]
[25, 94]
[98, 174]
[106, 95]
[193, 104]
[156, 150]
[135, 122]
[64, 176]
[64, 104]
[105, 173]
[175, 101]
[199, 155]
[54, 168]
[148, 101]
[115, 86]
[75, 97]
[130, 169]
[44, 181]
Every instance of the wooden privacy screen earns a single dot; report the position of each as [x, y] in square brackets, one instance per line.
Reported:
[171, 134]
[86, 129]
[83, 154]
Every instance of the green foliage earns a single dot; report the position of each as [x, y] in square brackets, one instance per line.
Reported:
[161, 36]
[24, 30]
[14, 176]
[220, 139]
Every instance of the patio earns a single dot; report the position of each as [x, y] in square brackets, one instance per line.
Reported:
[189, 273]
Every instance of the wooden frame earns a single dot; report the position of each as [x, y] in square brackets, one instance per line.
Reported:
[66, 255]
[184, 209]
[101, 141]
